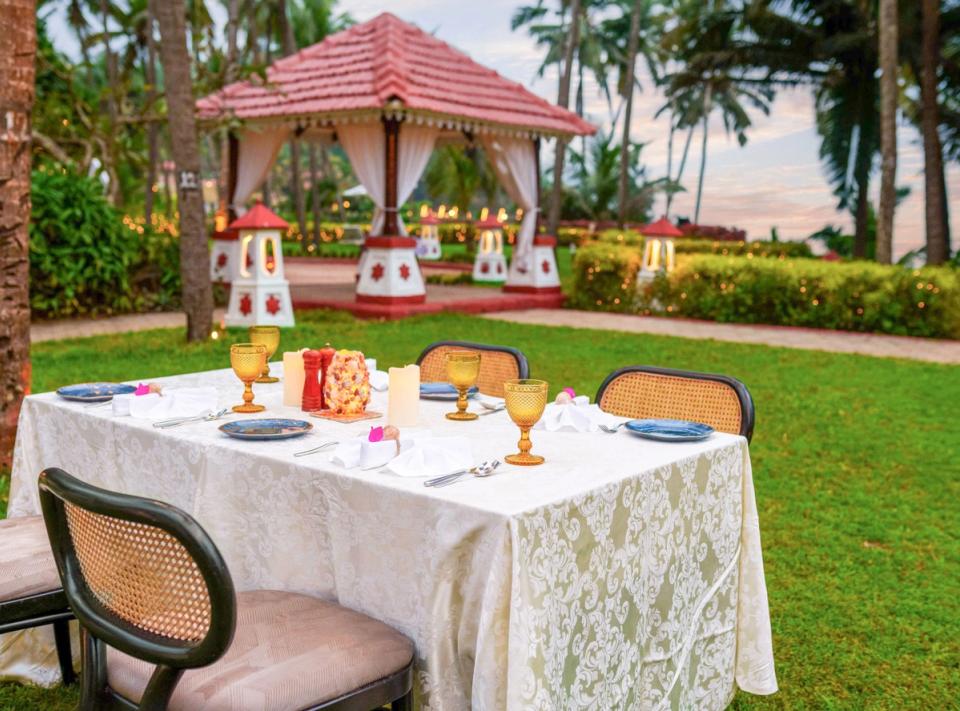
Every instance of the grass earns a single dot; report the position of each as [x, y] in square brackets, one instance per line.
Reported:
[855, 466]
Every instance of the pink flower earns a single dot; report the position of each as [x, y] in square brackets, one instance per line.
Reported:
[570, 392]
[376, 434]
[142, 389]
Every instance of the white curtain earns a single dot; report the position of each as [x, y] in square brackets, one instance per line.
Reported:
[257, 151]
[514, 161]
[416, 146]
[365, 145]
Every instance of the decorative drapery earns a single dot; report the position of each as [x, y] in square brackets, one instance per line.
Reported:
[514, 161]
[415, 147]
[257, 151]
[365, 146]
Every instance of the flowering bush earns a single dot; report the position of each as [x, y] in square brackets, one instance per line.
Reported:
[605, 278]
[690, 245]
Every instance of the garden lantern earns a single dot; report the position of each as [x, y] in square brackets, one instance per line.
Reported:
[225, 253]
[260, 295]
[428, 243]
[659, 254]
[490, 264]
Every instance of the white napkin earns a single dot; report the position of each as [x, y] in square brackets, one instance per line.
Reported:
[433, 457]
[361, 452]
[379, 380]
[182, 402]
[576, 416]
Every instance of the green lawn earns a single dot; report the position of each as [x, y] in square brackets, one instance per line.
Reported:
[856, 466]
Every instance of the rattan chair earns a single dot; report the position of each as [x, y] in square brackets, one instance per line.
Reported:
[643, 391]
[163, 628]
[497, 363]
[30, 592]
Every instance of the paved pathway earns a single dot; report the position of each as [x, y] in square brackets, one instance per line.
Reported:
[81, 328]
[927, 349]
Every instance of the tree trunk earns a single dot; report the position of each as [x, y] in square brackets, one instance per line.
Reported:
[861, 218]
[17, 55]
[153, 138]
[296, 182]
[670, 161]
[229, 74]
[632, 42]
[945, 201]
[194, 253]
[314, 194]
[114, 192]
[703, 151]
[888, 129]
[563, 100]
[938, 249]
[683, 164]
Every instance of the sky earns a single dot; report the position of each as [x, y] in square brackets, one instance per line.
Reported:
[776, 180]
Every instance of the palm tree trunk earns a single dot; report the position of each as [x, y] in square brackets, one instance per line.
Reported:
[703, 151]
[563, 100]
[229, 74]
[296, 182]
[888, 129]
[938, 248]
[628, 86]
[17, 54]
[670, 161]
[153, 129]
[861, 219]
[114, 192]
[314, 193]
[194, 253]
[683, 164]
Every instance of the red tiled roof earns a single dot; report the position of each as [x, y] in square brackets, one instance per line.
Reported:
[490, 223]
[384, 60]
[259, 217]
[661, 228]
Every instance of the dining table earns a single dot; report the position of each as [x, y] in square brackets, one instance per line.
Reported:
[623, 573]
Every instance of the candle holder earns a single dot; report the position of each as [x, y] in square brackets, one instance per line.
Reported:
[525, 400]
[247, 361]
[463, 369]
[269, 338]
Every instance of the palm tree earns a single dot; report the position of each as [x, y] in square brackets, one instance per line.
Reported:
[938, 247]
[888, 128]
[194, 253]
[17, 55]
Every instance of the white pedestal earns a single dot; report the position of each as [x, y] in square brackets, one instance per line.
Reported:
[224, 258]
[490, 267]
[541, 276]
[428, 249]
[389, 272]
[260, 304]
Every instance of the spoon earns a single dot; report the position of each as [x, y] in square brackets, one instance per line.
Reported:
[491, 407]
[483, 469]
[611, 430]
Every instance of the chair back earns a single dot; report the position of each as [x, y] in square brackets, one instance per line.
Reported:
[497, 363]
[642, 391]
[140, 575]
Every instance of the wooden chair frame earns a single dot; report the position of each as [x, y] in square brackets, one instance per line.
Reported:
[101, 627]
[747, 411]
[46, 608]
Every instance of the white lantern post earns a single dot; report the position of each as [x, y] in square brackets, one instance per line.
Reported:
[260, 295]
[659, 252]
[490, 264]
[428, 243]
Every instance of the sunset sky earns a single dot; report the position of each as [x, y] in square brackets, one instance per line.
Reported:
[777, 179]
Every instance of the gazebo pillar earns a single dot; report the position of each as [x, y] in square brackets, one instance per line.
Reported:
[389, 271]
[541, 276]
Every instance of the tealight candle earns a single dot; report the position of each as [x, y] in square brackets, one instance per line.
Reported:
[292, 378]
[403, 406]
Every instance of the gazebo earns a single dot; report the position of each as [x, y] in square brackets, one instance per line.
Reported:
[389, 93]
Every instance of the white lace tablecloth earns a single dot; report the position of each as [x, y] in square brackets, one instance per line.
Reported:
[621, 574]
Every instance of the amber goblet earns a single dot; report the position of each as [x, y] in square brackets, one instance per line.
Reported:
[269, 338]
[247, 361]
[525, 400]
[463, 369]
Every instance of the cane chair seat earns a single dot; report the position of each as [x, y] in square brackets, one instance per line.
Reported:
[643, 392]
[290, 651]
[497, 364]
[26, 561]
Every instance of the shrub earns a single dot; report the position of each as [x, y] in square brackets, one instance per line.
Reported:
[86, 260]
[605, 277]
[850, 296]
[689, 245]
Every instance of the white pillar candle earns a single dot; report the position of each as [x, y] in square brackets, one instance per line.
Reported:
[292, 378]
[403, 406]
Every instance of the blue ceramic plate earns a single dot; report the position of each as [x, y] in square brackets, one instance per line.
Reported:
[670, 430]
[94, 392]
[266, 429]
[442, 391]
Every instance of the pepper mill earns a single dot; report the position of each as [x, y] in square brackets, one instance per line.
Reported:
[326, 357]
[312, 392]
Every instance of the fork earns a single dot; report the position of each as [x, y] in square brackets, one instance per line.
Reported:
[164, 424]
[611, 430]
[315, 449]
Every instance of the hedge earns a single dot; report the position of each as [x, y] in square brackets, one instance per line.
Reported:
[849, 296]
[690, 245]
[605, 277]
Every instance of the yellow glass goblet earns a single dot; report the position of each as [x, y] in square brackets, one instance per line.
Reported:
[525, 400]
[463, 368]
[269, 338]
[247, 361]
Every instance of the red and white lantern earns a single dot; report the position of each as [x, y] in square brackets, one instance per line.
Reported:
[490, 264]
[539, 274]
[224, 257]
[260, 295]
[428, 243]
[390, 273]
